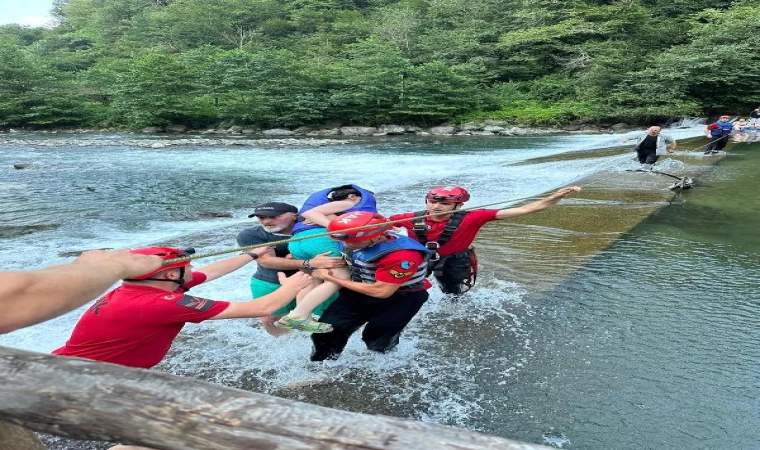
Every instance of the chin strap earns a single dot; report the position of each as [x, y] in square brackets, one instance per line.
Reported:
[180, 281]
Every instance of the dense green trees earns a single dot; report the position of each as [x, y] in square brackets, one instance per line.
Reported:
[133, 63]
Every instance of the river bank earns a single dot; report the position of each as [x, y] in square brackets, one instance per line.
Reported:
[486, 127]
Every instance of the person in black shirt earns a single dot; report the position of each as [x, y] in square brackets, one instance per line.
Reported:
[652, 144]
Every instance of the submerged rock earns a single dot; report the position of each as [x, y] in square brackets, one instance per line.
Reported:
[207, 215]
[11, 231]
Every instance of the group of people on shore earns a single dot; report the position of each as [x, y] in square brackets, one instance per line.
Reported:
[747, 130]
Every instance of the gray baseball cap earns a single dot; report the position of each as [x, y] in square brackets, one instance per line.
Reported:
[273, 209]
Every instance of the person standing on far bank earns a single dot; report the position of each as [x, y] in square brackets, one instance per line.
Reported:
[754, 116]
[652, 144]
[718, 133]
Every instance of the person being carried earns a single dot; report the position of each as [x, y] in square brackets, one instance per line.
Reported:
[718, 133]
[449, 233]
[652, 144]
[276, 224]
[318, 210]
[386, 289]
[135, 324]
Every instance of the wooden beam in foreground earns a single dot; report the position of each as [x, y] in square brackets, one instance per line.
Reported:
[84, 399]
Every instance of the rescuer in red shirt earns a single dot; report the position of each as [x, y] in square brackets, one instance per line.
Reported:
[135, 324]
[449, 233]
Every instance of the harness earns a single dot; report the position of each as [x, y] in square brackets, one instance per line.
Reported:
[421, 227]
[436, 262]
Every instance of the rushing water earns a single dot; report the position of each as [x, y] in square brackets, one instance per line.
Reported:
[651, 343]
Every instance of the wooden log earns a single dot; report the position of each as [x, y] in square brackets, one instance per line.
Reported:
[85, 399]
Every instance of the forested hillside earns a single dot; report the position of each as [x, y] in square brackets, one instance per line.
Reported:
[136, 63]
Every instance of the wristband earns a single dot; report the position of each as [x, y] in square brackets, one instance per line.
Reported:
[307, 265]
[253, 256]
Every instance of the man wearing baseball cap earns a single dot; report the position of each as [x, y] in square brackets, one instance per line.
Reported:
[276, 221]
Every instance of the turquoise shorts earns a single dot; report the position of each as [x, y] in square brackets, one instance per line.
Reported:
[260, 288]
[309, 248]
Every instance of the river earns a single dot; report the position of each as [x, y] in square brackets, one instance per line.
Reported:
[648, 343]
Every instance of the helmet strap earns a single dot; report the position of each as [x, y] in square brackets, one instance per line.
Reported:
[180, 281]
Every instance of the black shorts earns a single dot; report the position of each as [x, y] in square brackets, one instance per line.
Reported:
[385, 319]
[452, 271]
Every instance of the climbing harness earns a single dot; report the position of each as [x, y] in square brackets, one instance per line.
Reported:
[436, 263]
[420, 228]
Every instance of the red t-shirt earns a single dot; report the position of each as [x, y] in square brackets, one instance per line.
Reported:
[399, 267]
[461, 239]
[135, 325]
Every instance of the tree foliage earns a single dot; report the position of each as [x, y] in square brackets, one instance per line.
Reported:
[134, 63]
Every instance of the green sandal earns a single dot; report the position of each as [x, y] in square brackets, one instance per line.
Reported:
[307, 325]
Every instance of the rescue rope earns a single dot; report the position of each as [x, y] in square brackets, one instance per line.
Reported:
[327, 233]
[311, 236]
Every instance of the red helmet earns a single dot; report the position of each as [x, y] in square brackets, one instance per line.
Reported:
[166, 253]
[342, 228]
[448, 194]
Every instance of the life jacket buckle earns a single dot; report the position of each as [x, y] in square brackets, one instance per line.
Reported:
[432, 246]
[420, 227]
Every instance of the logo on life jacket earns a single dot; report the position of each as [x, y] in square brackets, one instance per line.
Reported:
[397, 274]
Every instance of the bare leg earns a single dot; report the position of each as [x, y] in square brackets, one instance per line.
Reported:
[317, 295]
[268, 323]
[302, 293]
